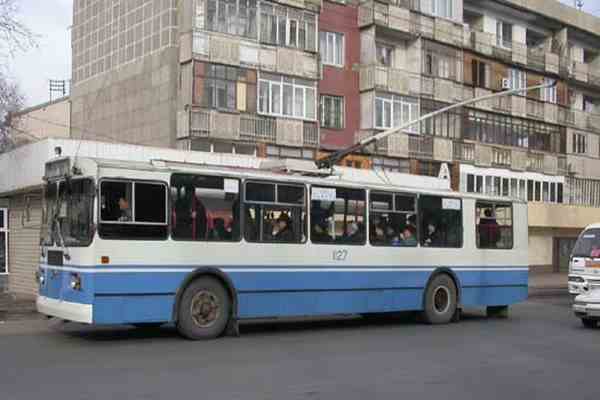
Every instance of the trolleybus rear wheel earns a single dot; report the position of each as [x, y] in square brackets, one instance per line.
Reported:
[204, 309]
[440, 300]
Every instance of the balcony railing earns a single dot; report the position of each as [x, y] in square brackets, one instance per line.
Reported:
[535, 108]
[501, 157]
[257, 128]
[420, 147]
[503, 104]
[536, 59]
[566, 116]
[464, 152]
[562, 165]
[535, 162]
[200, 123]
[311, 134]
[249, 128]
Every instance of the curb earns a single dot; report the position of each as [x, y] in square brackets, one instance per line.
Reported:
[548, 292]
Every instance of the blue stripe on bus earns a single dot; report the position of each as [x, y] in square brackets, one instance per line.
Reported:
[149, 296]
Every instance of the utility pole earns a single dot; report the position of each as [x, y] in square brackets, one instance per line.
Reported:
[329, 161]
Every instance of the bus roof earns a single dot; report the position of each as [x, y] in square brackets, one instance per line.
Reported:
[342, 176]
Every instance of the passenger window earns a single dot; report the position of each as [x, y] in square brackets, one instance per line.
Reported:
[274, 213]
[441, 221]
[205, 208]
[338, 215]
[494, 225]
[133, 210]
[393, 220]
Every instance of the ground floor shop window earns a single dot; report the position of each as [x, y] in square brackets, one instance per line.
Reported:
[3, 241]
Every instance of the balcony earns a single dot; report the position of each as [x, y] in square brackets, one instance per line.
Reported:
[247, 128]
[463, 152]
[392, 80]
[535, 162]
[593, 122]
[566, 116]
[562, 165]
[420, 147]
[501, 157]
[502, 104]
[535, 109]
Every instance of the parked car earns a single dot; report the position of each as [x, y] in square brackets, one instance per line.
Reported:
[587, 307]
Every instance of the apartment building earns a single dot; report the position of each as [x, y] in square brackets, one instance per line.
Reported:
[303, 78]
[417, 56]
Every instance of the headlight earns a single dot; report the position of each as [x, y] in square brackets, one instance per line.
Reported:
[75, 282]
[39, 276]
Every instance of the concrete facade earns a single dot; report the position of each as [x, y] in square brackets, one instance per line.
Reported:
[48, 120]
[125, 71]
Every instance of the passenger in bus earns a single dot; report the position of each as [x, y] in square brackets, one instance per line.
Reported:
[392, 236]
[354, 232]
[378, 234]
[319, 232]
[283, 231]
[124, 210]
[218, 232]
[488, 230]
[408, 236]
[432, 236]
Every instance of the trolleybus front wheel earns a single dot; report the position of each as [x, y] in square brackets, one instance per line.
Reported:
[440, 300]
[204, 309]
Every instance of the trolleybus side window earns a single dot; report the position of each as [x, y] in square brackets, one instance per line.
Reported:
[393, 220]
[441, 221]
[133, 210]
[205, 208]
[274, 213]
[338, 215]
[494, 225]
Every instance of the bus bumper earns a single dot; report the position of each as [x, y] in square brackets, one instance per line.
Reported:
[66, 310]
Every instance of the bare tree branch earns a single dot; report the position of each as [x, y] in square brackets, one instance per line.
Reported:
[14, 35]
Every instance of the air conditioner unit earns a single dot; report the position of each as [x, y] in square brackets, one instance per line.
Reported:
[505, 83]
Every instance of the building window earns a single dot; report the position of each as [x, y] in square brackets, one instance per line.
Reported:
[287, 26]
[3, 241]
[494, 225]
[440, 61]
[549, 93]
[332, 112]
[392, 111]
[286, 96]
[236, 17]
[579, 143]
[331, 48]
[481, 74]
[517, 79]
[384, 54]
[448, 124]
[504, 34]
[223, 87]
[588, 105]
[392, 165]
[507, 130]
[443, 8]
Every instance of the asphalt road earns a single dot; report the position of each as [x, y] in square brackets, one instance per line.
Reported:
[542, 352]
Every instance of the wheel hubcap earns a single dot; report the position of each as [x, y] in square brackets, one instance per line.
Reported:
[441, 299]
[205, 308]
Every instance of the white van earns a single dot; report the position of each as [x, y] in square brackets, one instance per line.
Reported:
[584, 267]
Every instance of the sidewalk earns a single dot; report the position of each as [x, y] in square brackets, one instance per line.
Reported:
[14, 308]
[548, 284]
